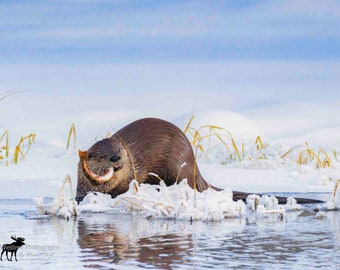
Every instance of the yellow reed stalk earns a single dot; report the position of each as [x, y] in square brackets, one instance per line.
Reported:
[259, 143]
[299, 160]
[60, 198]
[196, 135]
[331, 205]
[326, 161]
[156, 175]
[196, 138]
[292, 149]
[179, 171]
[308, 155]
[220, 137]
[336, 188]
[5, 147]
[243, 150]
[195, 171]
[235, 147]
[311, 154]
[288, 152]
[305, 155]
[16, 155]
[70, 133]
[189, 124]
[302, 160]
[19, 148]
[74, 203]
[213, 131]
[195, 175]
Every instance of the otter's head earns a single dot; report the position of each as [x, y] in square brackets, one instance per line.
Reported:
[102, 167]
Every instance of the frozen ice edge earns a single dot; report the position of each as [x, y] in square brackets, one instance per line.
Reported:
[177, 202]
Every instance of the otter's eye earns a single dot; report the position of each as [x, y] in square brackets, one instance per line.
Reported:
[89, 156]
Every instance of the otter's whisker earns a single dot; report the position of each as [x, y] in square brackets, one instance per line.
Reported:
[130, 156]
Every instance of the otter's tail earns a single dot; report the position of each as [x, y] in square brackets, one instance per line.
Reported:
[237, 195]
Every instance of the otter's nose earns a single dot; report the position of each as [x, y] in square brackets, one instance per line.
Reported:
[115, 158]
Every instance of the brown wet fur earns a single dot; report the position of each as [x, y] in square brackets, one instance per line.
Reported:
[145, 146]
[156, 146]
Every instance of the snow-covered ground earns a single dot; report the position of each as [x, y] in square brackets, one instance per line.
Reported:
[281, 127]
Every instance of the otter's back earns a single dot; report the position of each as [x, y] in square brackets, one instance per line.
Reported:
[163, 148]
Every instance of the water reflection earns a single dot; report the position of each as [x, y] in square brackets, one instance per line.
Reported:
[135, 240]
[294, 241]
[116, 241]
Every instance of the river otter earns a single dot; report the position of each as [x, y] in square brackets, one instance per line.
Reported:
[147, 150]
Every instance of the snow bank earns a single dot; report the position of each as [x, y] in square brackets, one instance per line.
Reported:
[178, 202]
[231, 122]
[173, 202]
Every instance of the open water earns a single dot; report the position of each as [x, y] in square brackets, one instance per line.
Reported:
[297, 240]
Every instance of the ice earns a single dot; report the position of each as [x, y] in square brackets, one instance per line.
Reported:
[266, 205]
[176, 202]
[292, 204]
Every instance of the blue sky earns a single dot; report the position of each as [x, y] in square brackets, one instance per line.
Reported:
[77, 43]
[167, 31]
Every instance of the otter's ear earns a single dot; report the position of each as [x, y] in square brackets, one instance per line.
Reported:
[82, 154]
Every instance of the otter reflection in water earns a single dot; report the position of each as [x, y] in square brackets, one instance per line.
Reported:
[133, 239]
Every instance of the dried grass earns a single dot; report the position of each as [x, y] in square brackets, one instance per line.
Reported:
[71, 132]
[5, 146]
[23, 147]
[223, 136]
[307, 156]
[24, 144]
[331, 205]
[303, 154]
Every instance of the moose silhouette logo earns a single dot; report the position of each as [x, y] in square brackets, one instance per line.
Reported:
[13, 247]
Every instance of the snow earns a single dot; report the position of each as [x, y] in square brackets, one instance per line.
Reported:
[177, 202]
[291, 127]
